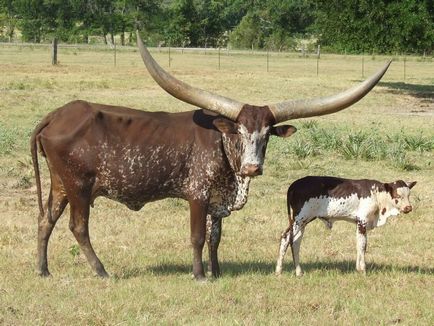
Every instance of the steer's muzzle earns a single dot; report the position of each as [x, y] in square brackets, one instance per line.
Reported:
[407, 209]
[251, 170]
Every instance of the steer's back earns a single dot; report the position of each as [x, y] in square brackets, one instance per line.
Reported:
[128, 155]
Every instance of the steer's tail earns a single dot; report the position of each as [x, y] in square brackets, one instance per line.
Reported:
[34, 140]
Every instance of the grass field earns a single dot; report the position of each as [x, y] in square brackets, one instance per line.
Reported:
[389, 135]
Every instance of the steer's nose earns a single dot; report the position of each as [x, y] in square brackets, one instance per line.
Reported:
[251, 170]
[407, 209]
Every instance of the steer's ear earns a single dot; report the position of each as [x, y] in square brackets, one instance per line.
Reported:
[225, 126]
[411, 184]
[283, 131]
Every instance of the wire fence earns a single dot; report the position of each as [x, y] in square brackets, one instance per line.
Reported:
[217, 57]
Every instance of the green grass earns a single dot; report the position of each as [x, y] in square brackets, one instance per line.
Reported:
[388, 135]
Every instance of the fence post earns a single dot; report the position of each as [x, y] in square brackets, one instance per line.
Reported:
[317, 59]
[363, 64]
[169, 57]
[114, 49]
[268, 53]
[219, 58]
[54, 52]
[405, 64]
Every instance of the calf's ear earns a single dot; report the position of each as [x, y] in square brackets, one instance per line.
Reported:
[225, 126]
[388, 188]
[411, 184]
[283, 131]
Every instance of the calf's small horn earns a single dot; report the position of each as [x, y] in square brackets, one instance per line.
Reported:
[195, 96]
[305, 108]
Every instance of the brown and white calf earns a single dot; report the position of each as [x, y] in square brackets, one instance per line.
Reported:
[367, 203]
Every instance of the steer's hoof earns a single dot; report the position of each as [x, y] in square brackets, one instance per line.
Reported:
[199, 278]
[44, 273]
[102, 273]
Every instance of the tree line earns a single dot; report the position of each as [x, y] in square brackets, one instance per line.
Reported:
[352, 26]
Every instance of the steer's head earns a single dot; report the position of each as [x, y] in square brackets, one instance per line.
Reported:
[249, 127]
[400, 195]
[249, 136]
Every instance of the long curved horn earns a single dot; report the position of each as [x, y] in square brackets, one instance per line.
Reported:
[305, 108]
[195, 96]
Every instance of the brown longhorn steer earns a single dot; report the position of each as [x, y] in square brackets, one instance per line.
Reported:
[206, 157]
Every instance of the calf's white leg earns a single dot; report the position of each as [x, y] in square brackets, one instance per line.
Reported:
[295, 248]
[285, 240]
[361, 246]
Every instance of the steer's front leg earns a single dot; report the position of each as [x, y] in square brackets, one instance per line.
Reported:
[198, 211]
[361, 246]
[214, 230]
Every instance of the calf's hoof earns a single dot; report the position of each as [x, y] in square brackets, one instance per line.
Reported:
[362, 271]
[298, 272]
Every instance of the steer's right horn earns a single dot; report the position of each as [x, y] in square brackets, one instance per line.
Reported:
[195, 96]
[305, 108]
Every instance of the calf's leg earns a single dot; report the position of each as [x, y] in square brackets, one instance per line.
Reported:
[295, 247]
[361, 246]
[285, 241]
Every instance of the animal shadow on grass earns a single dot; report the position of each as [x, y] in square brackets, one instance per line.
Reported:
[230, 268]
[424, 92]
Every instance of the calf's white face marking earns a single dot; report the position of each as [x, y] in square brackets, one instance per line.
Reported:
[403, 199]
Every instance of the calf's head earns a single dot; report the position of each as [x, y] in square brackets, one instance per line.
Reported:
[400, 195]
[247, 126]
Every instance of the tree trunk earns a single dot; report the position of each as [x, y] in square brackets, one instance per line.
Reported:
[54, 52]
[11, 33]
[122, 38]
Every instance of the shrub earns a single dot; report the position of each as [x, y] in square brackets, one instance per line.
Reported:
[8, 139]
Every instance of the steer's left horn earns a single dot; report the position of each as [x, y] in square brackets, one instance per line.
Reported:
[195, 96]
[295, 109]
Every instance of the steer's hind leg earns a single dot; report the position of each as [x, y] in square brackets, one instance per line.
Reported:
[214, 230]
[56, 204]
[79, 225]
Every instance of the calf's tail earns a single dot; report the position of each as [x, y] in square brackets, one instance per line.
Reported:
[290, 210]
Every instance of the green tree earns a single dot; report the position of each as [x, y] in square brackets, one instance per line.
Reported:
[273, 24]
[182, 28]
[8, 19]
[39, 19]
[381, 26]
